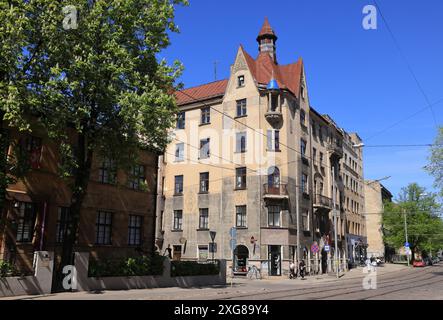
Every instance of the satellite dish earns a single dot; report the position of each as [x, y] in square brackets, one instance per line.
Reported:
[182, 240]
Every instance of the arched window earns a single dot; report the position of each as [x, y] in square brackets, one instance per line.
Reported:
[274, 177]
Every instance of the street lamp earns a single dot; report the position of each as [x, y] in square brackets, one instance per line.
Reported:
[359, 145]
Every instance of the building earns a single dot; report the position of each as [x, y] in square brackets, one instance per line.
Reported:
[118, 216]
[375, 196]
[354, 197]
[250, 153]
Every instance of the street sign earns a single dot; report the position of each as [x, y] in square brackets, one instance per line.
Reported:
[212, 234]
[408, 251]
[327, 248]
[212, 247]
[233, 232]
[232, 244]
[407, 244]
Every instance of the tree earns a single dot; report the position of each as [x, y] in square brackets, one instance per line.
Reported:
[424, 224]
[95, 71]
[435, 166]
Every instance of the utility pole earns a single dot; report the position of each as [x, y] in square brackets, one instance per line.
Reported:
[406, 236]
[335, 221]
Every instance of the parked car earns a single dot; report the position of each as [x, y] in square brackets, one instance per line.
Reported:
[427, 261]
[435, 260]
[418, 263]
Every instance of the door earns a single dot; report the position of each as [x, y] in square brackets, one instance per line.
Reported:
[274, 260]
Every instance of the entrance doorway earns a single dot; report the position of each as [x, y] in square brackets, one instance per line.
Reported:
[241, 255]
[274, 258]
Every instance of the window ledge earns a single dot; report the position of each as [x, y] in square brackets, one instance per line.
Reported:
[270, 150]
[176, 230]
[202, 229]
[241, 116]
[178, 194]
[204, 124]
[241, 228]
[203, 192]
[237, 189]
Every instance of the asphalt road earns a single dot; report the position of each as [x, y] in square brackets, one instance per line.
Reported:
[389, 282]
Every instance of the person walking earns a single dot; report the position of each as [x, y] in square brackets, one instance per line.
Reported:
[292, 273]
[302, 269]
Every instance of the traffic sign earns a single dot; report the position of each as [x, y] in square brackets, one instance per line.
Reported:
[327, 248]
[407, 244]
[408, 251]
[314, 247]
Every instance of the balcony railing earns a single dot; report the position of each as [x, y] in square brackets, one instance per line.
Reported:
[279, 190]
[336, 149]
[322, 201]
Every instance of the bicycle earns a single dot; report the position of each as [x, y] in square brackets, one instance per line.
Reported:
[253, 273]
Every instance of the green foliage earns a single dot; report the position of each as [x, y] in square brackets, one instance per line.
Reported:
[193, 268]
[136, 266]
[435, 166]
[6, 269]
[425, 227]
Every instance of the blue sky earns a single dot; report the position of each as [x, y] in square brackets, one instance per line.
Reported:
[357, 76]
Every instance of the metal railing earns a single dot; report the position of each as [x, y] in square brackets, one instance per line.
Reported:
[322, 201]
[278, 190]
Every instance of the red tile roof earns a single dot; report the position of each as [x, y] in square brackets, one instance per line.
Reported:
[263, 68]
[266, 29]
[202, 92]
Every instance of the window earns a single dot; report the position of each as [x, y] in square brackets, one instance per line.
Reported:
[26, 220]
[303, 147]
[314, 133]
[181, 120]
[240, 142]
[304, 183]
[178, 189]
[33, 148]
[137, 177]
[206, 115]
[321, 158]
[302, 117]
[274, 102]
[273, 138]
[240, 178]
[178, 219]
[320, 133]
[108, 171]
[241, 107]
[63, 220]
[274, 216]
[240, 214]
[203, 252]
[241, 81]
[176, 252]
[204, 219]
[135, 230]
[204, 149]
[103, 228]
[314, 155]
[204, 182]
[180, 152]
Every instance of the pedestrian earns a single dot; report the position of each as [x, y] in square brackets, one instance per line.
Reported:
[302, 269]
[169, 250]
[292, 273]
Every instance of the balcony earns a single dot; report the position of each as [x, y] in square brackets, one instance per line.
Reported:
[322, 202]
[335, 149]
[275, 118]
[275, 191]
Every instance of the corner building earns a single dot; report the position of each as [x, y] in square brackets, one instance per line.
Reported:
[243, 156]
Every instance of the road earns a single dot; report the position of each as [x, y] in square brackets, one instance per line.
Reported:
[392, 282]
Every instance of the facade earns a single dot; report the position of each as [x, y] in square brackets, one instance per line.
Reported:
[249, 153]
[375, 195]
[118, 216]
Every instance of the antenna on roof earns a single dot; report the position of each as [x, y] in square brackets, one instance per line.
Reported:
[215, 70]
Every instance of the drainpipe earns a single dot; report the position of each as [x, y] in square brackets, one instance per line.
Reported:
[42, 232]
[154, 222]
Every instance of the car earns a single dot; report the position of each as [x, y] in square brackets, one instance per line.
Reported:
[427, 261]
[435, 260]
[418, 263]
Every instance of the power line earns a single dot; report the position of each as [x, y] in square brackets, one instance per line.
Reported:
[420, 87]
[402, 145]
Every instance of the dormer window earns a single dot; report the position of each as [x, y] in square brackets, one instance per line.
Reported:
[241, 81]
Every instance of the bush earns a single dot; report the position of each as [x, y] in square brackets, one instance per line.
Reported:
[193, 268]
[6, 269]
[121, 267]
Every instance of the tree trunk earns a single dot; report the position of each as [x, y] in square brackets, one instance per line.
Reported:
[81, 180]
